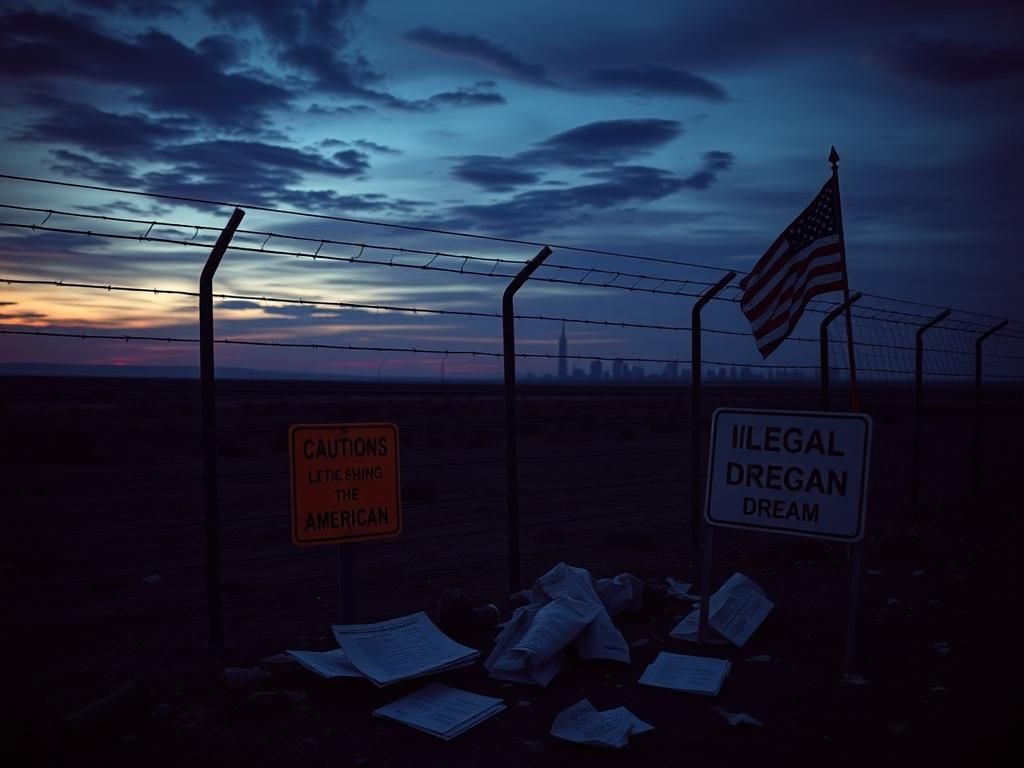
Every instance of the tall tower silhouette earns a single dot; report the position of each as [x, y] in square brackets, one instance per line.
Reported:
[563, 349]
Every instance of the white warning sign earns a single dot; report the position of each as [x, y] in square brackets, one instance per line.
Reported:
[797, 472]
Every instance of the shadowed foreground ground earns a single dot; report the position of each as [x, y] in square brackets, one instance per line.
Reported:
[104, 493]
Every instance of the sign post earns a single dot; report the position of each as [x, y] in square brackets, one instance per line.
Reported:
[802, 473]
[344, 489]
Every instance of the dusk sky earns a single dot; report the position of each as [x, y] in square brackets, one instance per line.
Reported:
[681, 131]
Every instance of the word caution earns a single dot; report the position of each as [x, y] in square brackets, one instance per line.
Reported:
[344, 482]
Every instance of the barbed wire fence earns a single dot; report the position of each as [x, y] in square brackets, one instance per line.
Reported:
[105, 466]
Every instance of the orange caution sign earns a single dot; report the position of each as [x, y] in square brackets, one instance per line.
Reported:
[344, 482]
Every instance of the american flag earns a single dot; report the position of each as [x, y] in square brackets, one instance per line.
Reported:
[803, 262]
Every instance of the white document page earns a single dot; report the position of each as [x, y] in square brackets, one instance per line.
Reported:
[554, 626]
[504, 664]
[681, 672]
[680, 589]
[688, 628]
[738, 718]
[742, 612]
[401, 648]
[734, 611]
[602, 639]
[564, 581]
[583, 724]
[623, 715]
[326, 663]
[625, 592]
[441, 710]
[513, 632]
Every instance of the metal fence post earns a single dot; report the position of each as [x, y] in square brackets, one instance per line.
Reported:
[695, 406]
[919, 404]
[211, 512]
[976, 469]
[823, 338]
[508, 326]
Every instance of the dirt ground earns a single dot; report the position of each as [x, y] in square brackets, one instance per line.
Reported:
[104, 579]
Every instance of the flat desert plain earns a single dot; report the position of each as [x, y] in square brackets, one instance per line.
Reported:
[105, 582]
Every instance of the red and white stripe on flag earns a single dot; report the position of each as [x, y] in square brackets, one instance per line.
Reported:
[802, 263]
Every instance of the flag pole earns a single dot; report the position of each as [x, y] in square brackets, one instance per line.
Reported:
[833, 157]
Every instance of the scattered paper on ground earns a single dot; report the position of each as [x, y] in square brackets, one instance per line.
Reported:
[503, 664]
[737, 718]
[600, 639]
[553, 627]
[441, 711]
[681, 672]
[326, 663]
[565, 607]
[680, 589]
[583, 724]
[398, 649]
[624, 592]
[734, 612]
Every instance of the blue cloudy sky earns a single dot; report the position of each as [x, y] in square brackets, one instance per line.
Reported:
[682, 131]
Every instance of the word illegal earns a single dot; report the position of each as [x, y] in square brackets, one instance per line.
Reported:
[791, 478]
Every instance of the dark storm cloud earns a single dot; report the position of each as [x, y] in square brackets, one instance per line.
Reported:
[312, 39]
[536, 210]
[373, 147]
[269, 185]
[225, 157]
[221, 50]
[591, 145]
[324, 21]
[714, 162]
[495, 174]
[340, 205]
[603, 142]
[146, 9]
[111, 134]
[321, 110]
[477, 49]
[76, 165]
[335, 75]
[652, 79]
[950, 63]
[252, 171]
[478, 95]
[166, 75]
[466, 97]
[739, 35]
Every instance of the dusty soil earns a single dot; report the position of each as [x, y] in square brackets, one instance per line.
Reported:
[103, 494]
